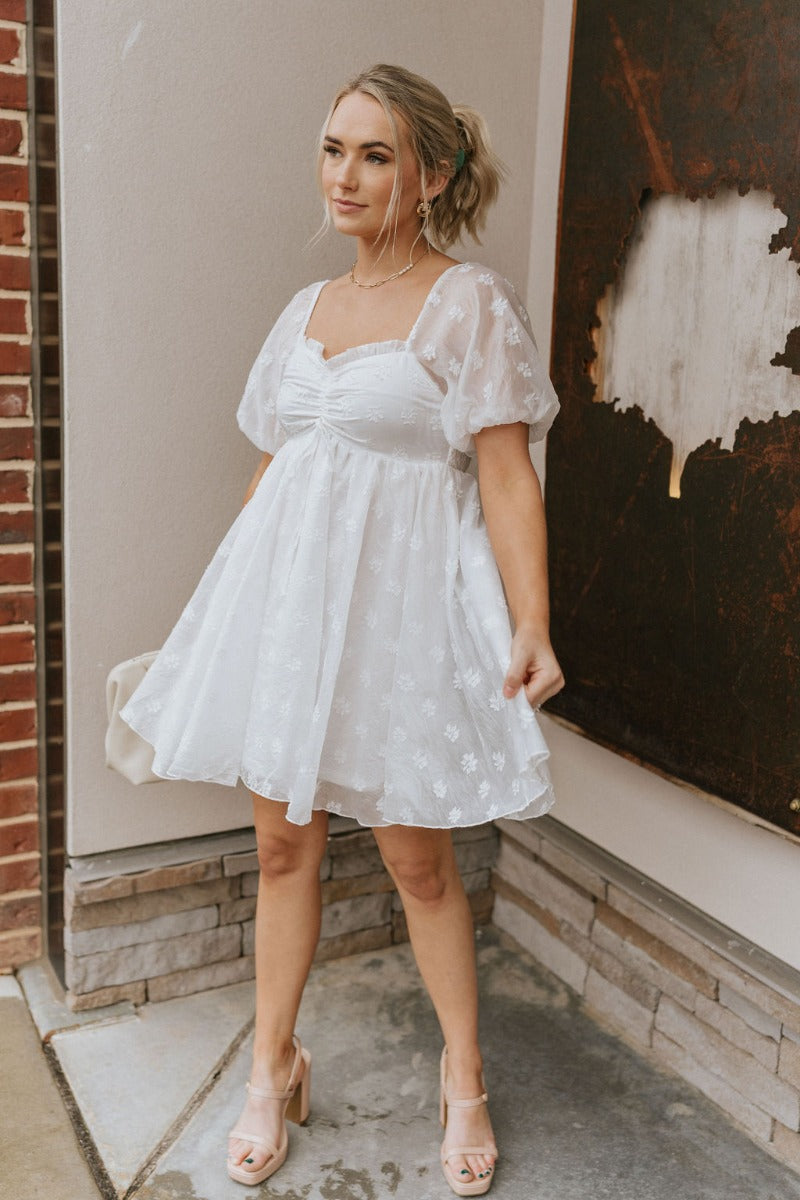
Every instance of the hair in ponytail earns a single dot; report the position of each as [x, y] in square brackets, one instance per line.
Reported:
[444, 139]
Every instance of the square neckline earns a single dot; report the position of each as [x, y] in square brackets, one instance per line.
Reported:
[362, 348]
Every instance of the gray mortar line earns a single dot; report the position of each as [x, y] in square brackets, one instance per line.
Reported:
[85, 1140]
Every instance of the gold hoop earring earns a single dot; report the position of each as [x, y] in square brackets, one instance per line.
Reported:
[424, 207]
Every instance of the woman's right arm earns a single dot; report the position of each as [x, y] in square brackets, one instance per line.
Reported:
[266, 459]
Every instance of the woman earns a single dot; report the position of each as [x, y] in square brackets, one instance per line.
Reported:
[349, 647]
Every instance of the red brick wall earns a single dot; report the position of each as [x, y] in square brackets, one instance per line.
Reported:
[20, 835]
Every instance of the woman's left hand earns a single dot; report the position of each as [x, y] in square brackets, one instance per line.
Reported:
[533, 667]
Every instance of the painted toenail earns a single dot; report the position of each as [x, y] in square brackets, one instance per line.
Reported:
[249, 1160]
[464, 1171]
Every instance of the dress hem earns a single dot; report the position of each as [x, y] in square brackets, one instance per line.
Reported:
[542, 803]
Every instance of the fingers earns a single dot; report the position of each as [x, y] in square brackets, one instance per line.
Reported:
[519, 668]
[513, 682]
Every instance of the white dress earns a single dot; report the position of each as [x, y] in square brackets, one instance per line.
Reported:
[345, 648]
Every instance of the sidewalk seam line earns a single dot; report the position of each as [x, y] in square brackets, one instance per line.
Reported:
[184, 1117]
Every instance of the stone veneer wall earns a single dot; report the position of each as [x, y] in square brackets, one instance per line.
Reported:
[685, 991]
[184, 927]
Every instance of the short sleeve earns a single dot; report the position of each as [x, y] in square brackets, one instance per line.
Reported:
[490, 360]
[257, 414]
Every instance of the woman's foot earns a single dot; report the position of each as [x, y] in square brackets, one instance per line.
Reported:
[468, 1126]
[263, 1115]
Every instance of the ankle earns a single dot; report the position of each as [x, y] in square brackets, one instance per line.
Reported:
[272, 1056]
[464, 1072]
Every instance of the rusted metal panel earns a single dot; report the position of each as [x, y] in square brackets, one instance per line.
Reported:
[677, 619]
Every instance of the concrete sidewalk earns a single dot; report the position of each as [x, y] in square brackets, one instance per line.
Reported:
[39, 1146]
[577, 1113]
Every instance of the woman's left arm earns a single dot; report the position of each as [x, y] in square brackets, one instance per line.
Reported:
[514, 511]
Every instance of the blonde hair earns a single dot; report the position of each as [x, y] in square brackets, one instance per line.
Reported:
[438, 131]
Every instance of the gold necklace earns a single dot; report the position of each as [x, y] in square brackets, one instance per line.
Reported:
[396, 274]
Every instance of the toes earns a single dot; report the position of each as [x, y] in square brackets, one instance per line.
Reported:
[476, 1166]
[236, 1151]
[461, 1170]
[243, 1154]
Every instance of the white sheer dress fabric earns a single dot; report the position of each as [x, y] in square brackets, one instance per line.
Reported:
[345, 648]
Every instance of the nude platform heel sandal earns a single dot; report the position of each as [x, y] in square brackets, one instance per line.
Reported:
[477, 1187]
[296, 1097]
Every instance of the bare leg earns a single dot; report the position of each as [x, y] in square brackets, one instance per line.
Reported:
[288, 914]
[423, 866]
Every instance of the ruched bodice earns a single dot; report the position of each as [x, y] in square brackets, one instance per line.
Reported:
[377, 396]
[346, 646]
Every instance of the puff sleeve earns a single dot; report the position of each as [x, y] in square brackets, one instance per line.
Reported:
[257, 414]
[490, 360]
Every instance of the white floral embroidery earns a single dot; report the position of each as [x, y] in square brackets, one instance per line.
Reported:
[498, 306]
[419, 760]
[456, 313]
[406, 683]
[524, 370]
[452, 732]
[472, 677]
[454, 366]
[498, 760]
[512, 337]
[454, 815]
[429, 708]
[476, 360]
[440, 789]
[486, 277]
[429, 352]
[469, 763]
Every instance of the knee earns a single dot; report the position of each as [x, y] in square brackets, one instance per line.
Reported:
[424, 879]
[279, 857]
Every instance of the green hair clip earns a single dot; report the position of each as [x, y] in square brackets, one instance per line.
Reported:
[461, 158]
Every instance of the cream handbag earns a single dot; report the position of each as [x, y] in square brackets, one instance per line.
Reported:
[126, 751]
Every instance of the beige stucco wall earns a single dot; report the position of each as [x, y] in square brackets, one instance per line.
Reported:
[186, 137]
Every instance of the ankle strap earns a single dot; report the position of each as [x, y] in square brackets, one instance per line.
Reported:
[467, 1103]
[269, 1093]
